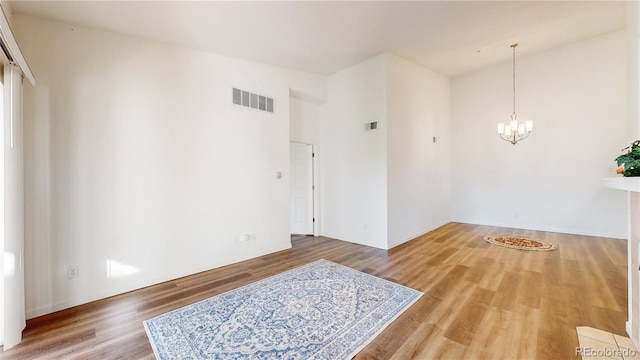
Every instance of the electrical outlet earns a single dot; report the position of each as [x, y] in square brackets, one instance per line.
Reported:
[244, 238]
[72, 272]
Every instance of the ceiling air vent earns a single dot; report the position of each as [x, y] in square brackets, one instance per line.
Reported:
[251, 100]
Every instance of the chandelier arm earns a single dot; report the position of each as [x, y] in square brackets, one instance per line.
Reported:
[511, 139]
[515, 137]
[519, 137]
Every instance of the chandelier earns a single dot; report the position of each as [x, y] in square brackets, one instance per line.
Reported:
[514, 131]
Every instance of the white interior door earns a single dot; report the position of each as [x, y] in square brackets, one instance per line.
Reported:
[301, 185]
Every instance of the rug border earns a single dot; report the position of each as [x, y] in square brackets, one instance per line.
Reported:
[352, 354]
[149, 337]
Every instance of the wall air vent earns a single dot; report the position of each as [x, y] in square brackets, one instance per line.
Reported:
[251, 100]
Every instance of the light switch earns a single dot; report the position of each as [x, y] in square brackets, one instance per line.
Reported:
[278, 175]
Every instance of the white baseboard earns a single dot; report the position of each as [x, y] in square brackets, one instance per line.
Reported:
[545, 228]
[142, 283]
[425, 231]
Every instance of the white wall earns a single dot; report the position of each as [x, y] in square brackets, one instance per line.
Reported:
[353, 161]
[576, 96]
[6, 8]
[418, 174]
[633, 116]
[2, 214]
[633, 69]
[139, 169]
[386, 186]
[12, 313]
[304, 117]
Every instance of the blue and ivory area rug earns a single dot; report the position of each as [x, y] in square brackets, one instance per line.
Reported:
[321, 310]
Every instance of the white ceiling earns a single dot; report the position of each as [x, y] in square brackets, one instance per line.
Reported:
[451, 37]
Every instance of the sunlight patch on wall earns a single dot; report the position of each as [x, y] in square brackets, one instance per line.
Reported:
[117, 269]
[9, 264]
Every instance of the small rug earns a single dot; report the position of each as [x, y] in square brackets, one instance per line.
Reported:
[321, 310]
[519, 242]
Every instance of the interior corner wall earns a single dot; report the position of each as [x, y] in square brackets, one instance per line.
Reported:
[138, 167]
[418, 174]
[551, 181]
[353, 160]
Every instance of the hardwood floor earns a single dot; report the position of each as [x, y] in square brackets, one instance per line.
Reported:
[480, 301]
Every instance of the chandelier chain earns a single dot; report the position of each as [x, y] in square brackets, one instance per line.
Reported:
[514, 77]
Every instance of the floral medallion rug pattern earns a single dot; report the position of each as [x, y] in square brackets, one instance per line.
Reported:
[321, 310]
[519, 242]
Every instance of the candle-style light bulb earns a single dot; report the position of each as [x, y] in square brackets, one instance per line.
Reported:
[501, 128]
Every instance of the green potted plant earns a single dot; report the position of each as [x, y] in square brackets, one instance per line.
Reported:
[629, 163]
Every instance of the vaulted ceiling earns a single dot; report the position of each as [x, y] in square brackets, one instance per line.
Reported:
[451, 37]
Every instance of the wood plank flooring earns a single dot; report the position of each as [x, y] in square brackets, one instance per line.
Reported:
[480, 301]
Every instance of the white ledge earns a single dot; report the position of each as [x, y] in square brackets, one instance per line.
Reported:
[622, 183]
